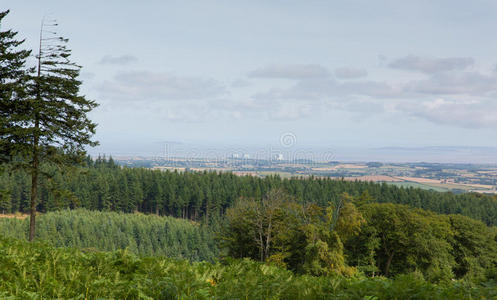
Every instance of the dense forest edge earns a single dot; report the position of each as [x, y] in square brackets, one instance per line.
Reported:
[101, 184]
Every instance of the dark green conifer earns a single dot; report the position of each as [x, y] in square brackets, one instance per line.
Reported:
[43, 114]
[14, 76]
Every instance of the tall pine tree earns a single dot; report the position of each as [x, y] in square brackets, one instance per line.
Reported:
[50, 118]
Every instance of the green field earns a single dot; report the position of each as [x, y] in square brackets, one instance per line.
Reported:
[407, 184]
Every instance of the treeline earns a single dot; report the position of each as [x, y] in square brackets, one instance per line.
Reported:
[39, 271]
[103, 185]
[148, 235]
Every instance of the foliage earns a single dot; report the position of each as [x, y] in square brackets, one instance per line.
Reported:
[138, 233]
[36, 270]
[397, 239]
[14, 77]
[378, 239]
[299, 237]
[474, 248]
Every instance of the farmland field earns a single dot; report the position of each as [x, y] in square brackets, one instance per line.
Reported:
[418, 185]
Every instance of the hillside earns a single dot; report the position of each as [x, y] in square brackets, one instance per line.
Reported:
[108, 231]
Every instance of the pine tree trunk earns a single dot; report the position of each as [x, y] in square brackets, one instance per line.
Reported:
[32, 212]
[34, 189]
[35, 166]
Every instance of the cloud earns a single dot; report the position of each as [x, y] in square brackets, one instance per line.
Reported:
[144, 85]
[329, 89]
[477, 113]
[87, 75]
[229, 109]
[430, 65]
[117, 60]
[469, 83]
[447, 95]
[291, 111]
[192, 113]
[350, 73]
[308, 98]
[171, 98]
[365, 107]
[240, 83]
[471, 97]
[294, 71]
[462, 98]
[273, 110]
[302, 90]
[377, 89]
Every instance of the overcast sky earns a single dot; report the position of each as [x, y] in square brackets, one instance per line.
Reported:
[349, 73]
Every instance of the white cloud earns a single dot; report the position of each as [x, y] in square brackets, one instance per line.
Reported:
[86, 75]
[287, 111]
[450, 83]
[303, 90]
[293, 71]
[476, 113]
[350, 73]
[240, 83]
[472, 97]
[462, 98]
[430, 65]
[118, 60]
[377, 89]
[325, 89]
[144, 85]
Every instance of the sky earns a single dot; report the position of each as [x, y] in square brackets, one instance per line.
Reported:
[357, 74]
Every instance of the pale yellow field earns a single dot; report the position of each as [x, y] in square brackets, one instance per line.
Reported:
[12, 216]
[374, 178]
[340, 166]
[419, 180]
[440, 183]
[245, 173]
[350, 166]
